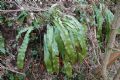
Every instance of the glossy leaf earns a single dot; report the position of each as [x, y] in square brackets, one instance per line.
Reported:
[51, 55]
[23, 48]
[65, 38]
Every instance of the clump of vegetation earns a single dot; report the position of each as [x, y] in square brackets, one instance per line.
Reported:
[61, 39]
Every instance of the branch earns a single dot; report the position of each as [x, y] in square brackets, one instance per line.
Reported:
[110, 45]
[112, 59]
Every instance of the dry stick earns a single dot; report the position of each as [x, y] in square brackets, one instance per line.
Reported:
[5, 68]
[18, 10]
[110, 45]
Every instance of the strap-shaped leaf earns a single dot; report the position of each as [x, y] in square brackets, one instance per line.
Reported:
[47, 56]
[55, 56]
[22, 49]
[74, 38]
[61, 47]
[66, 39]
[78, 32]
[68, 68]
[108, 19]
[52, 54]
[99, 19]
[21, 31]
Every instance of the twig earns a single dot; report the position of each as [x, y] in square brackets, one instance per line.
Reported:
[5, 68]
[118, 50]
[18, 10]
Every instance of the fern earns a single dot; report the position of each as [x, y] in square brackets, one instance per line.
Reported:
[51, 51]
[108, 19]
[23, 48]
[65, 36]
[99, 19]
[20, 32]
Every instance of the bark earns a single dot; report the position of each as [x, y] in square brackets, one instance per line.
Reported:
[110, 45]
